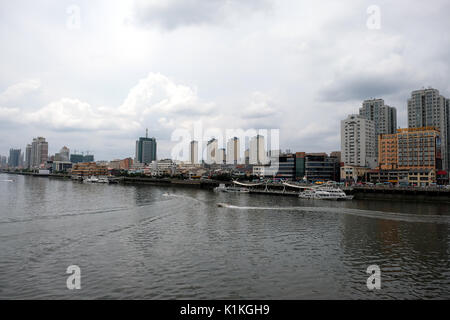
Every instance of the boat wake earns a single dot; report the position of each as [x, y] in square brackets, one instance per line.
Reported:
[171, 195]
[406, 217]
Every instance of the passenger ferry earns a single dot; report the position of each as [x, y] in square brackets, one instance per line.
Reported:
[223, 188]
[325, 193]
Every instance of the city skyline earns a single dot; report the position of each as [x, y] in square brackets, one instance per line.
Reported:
[373, 111]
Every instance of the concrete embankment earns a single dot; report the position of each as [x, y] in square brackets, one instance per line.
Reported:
[427, 194]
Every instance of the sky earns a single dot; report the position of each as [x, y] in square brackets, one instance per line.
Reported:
[93, 75]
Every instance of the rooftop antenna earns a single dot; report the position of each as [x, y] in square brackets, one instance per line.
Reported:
[146, 132]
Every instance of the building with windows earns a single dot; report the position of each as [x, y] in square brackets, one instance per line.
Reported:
[77, 158]
[427, 108]
[89, 169]
[411, 148]
[28, 160]
[212, 150]
[14, 158]
[358, 141]
[233, 151]
[383, 116]
[317, 166]
[221, 156]
[39, 152]
[193, 152]
[64, 155]
[145, 149]
[257, 150]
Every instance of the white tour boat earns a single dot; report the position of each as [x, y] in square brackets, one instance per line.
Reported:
[92, 179]
[223, 188]
[325, 193]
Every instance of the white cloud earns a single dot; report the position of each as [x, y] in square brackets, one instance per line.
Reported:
[18, 90]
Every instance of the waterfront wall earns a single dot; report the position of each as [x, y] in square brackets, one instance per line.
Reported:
[400, 194]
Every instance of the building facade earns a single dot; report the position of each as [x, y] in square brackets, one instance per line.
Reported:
[212, 150]
[358, 141]
[317, 166]
[427, 108]
[383, 116]
[39, 152]
[193, 152]
[89, 169]
[28, 160]
[14, 158]
[145, 150]
[233, 151]
[257, 150]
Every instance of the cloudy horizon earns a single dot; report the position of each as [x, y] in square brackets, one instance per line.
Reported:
[94, 76]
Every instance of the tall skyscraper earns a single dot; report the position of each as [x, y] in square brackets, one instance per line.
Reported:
[358, 141]
[212, 151]
[145, 149]
[257, 150]
[383, 116]
[14, 158]
[221, 156]
[39, 152]
[233, 151]
[64, 154]
[193, 152]
[28, 156]
[427, 108]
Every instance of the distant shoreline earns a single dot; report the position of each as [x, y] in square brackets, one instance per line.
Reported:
[416, 194]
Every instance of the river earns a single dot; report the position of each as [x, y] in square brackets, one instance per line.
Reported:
[151, 242]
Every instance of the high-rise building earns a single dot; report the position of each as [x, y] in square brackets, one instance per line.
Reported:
[212, 150]
[14, 158]
[3, 161]
[358, 141]
[28, 156]
[221, 156]
[257, 150]
[64, 154]
[39, 152]
[145, 149]
[383, 116]
[233, 151]
[193, 152]
[427, 108]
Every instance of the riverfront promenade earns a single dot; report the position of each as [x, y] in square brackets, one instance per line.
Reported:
[438, 193]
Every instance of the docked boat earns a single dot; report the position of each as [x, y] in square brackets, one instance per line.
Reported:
[325, 193]
[223, 188]
[92, 179]
[103, 180]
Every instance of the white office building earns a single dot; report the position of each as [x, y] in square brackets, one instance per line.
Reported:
[358, 141]
[212, 150]
[233, 151]
[257, 150]
[193, 152]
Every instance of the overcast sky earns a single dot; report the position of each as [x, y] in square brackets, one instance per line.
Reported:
[95, 83]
